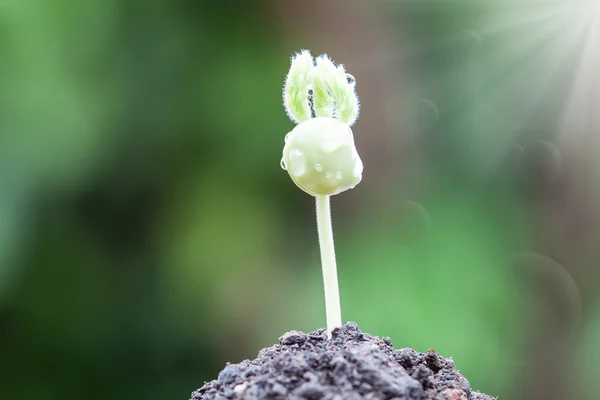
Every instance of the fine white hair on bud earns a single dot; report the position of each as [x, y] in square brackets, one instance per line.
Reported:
[335, 90]
[323, 77]
[321, 158]
[320, 88]
[297, 85]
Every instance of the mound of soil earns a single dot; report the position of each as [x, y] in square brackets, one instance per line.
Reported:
[350, 366]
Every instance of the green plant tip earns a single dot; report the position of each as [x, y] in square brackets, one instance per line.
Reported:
[316, 87]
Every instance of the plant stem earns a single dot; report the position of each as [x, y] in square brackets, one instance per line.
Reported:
[332, 294]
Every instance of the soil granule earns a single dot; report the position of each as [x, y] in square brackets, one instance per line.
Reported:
[350, 366]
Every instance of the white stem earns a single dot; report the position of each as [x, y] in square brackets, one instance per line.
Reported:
[332, 294]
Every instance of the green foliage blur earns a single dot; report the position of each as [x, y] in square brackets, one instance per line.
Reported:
[148, 235]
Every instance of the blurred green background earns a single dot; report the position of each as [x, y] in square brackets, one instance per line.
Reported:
[148, 235]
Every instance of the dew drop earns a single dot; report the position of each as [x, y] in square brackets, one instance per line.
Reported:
[319, 167]
[350, 79]
[338, 175]
[283, 164]
[328, 175]
[358, 169]
[297, 163]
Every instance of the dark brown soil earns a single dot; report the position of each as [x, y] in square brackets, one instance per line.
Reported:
[351, 366]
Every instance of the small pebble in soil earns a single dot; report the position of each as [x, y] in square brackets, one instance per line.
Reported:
[351, 366]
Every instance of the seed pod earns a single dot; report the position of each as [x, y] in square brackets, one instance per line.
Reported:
[321, 158]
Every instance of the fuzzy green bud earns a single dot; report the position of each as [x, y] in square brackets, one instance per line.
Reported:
[297, 84]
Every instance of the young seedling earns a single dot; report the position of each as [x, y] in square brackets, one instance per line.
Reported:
[319, 153]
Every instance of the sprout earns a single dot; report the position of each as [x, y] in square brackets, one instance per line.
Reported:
[319, 153]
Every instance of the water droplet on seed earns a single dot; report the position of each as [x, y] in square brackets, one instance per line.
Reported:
[358, 169]
[297, 163]
[338, 175]
[283, 164]
[319, 167]
[328, 175]
[351, 80]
